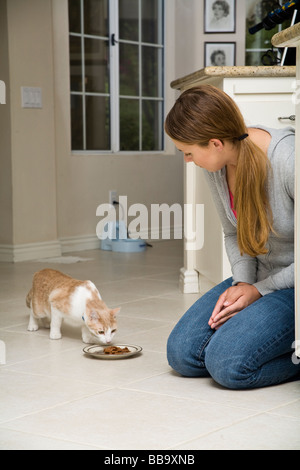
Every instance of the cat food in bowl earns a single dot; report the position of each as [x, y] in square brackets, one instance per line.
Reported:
[120, 351]
[115, 350]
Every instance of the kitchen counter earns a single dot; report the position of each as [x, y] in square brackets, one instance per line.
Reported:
[289, 37]
[209, 73]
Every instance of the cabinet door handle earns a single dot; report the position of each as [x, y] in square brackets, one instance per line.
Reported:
[291, 118]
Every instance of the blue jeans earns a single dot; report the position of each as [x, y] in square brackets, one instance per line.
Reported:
[252, 349]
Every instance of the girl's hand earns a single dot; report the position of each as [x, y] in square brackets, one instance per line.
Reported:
[231, 302]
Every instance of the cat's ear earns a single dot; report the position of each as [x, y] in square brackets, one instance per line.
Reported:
[115, 311]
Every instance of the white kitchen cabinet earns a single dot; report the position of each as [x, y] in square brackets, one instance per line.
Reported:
[263, 94]
[291, 38]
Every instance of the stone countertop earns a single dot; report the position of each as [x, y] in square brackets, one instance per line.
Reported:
[232, 72]
[289, 37]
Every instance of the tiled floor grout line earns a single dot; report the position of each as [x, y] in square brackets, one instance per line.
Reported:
[58, 440]
[221, 428]
[143, 390]
[57, 405]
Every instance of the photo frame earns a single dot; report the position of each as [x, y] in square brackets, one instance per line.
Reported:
[219, 16]
[219, 54]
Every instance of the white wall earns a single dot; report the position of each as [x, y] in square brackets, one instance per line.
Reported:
[49, 196]
[190, 36]
[5, 138]
[29, 147]
[83, 181]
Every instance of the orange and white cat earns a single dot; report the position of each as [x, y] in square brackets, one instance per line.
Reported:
[55, 296]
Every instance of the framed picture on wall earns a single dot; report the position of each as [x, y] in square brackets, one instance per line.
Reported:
[219, 16]
[219, 54]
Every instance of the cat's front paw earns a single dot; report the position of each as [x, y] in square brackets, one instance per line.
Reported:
[32, 327]
[87, 340]
[32, 324]
[55, 336]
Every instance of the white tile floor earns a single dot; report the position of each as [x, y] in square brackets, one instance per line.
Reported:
[55, 397]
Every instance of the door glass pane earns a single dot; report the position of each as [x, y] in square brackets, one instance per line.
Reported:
[129, 70]
[76, 122]
[150, 71]
[96, 17]
[96, 66]
[138, 100]
[74, 16]
[129, 125]
[75, 63]
[152, 125]
[129, 19]
[150, 22]
[97, 123]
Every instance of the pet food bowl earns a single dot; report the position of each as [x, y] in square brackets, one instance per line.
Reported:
[117, 240]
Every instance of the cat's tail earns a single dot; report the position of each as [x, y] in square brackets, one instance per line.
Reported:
[29, 298]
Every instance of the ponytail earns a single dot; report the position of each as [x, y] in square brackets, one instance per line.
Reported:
[251, 200]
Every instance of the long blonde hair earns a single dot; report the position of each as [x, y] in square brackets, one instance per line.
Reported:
[204, 113]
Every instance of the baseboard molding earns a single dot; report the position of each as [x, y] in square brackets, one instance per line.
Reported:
[92, 242]
[29, 251]
[33, 251]
[79, 243]
[205, 284]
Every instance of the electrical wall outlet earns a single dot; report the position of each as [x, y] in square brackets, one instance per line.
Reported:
[31, 97]
[113, 196]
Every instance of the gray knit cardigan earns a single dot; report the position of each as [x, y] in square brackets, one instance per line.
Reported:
[275, 270]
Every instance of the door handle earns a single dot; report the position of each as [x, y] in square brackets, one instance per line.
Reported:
[291, 118]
